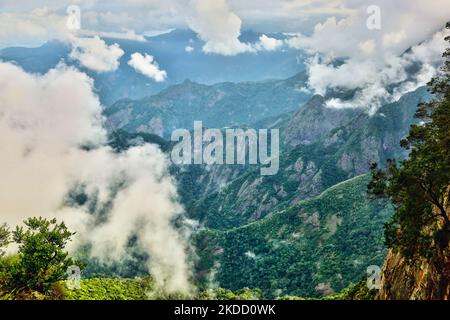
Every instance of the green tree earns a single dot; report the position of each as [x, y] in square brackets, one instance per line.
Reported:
[419, 186]
[42, 258]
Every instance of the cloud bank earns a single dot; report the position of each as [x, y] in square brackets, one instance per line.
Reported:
[45, 121]
[371, 80]
[373, 60]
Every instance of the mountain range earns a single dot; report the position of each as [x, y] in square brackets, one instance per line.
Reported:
[311, 230]
[169, 51]
[275, 230]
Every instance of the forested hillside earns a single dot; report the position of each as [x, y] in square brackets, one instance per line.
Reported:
[314, 248]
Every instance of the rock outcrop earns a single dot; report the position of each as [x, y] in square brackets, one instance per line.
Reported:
[422, 281]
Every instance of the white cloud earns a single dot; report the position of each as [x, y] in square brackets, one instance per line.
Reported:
[155, 33]
[268, 43]
[42, 24]
[45, 120]
[31, 28]
[95, 54]
[147, 65]
[375, 59]
[371, 78]
[394, 38]
[189, 49]
[126, 35]
[403, 24]
[218, 26]
[367, 47]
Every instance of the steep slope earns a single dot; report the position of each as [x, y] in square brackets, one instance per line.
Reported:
[422, 279]
[314, 248]
[332, 156]
[314, 121]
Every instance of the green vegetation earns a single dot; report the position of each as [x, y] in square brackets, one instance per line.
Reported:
[41, 260]
[317, 247]
[225, 294]
[110, 289]
[278, 235]
[419, 189]
[419, 186]
[38, 269]
[143, 288]
[357, 291]
[232, 197]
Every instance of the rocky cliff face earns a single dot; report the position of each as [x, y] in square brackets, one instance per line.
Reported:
[422, 281]
[314, 121]
[315, 155]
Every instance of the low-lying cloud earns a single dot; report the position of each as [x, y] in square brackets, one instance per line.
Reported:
[218, 26]
[373, 61]
[95, 54]
[371, 79]
[53, 143]
[146, 65]
[268, 43]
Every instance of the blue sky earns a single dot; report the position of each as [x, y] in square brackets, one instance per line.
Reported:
[323, 29]
[219, 22]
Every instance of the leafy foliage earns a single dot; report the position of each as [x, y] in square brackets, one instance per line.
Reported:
[41, 259]
[143, 288]
[110, 289]
[225, 294]
[358, 291]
